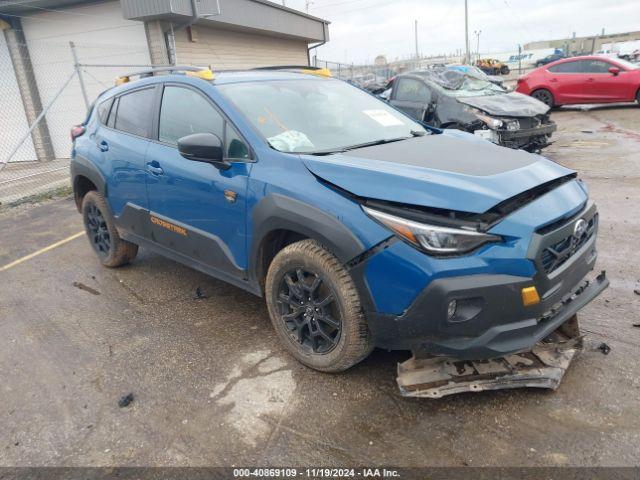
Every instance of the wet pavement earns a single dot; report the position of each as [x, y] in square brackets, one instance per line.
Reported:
[211, 385]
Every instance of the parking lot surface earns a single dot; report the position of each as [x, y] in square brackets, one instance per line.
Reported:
[212, 387]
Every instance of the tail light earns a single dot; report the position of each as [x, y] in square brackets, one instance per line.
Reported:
[77, 131]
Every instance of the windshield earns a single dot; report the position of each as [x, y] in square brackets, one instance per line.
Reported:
[318, 115]
[460, 84]
[626, 64]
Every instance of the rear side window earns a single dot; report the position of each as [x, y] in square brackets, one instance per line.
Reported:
[184, 112]
[134, 112]
[411, 90]
[596, 66]
[567, 67]
[103, 110]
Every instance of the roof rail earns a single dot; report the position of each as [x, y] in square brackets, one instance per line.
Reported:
[189, 70]
[321, 72]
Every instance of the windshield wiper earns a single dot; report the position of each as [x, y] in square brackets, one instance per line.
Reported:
[382, 141]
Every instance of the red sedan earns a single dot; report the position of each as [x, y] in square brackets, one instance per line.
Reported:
[589, 79]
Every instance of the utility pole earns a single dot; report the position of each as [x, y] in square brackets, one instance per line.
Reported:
[467, 57]
[477, 34]
[307, 3]
[416, 37]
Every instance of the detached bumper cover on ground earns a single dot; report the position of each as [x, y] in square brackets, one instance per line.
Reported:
[542, 367]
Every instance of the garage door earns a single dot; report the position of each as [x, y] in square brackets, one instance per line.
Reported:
[228, 49]
[101, 36]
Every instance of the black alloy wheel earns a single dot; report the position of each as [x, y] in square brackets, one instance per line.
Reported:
[97, 231]
[545, 96]
[308, 310]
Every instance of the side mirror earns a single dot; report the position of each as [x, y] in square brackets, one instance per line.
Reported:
[203, 147]
[614, 71]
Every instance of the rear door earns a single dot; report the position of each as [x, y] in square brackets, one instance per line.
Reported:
[602, 85]
[568, 82]
[122, 140]
[196, 209]
[412, 96]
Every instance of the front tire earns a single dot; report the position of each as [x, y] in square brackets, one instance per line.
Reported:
[315, 308]
[103, 236]
[545, 96]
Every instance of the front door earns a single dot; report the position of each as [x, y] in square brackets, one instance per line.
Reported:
[412, 96]
[604, 86]
[196, 209]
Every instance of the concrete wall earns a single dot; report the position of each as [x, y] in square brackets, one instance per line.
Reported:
[227, 49]
[583, 44]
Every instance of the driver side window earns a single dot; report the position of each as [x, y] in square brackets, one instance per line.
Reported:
[184, 112]
[412, 90]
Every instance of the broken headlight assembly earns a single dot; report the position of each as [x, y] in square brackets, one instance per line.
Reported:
[433, 239]
[489, 121]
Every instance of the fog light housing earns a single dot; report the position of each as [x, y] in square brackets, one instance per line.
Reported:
[451, 309]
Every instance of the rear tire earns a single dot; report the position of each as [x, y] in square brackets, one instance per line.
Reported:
[545, 96]
[101, 231]
[315, 308]
[638, 96]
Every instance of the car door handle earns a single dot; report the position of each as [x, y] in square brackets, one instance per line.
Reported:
[554, 80]
[154, 168]
[590, 79]
[103, 146]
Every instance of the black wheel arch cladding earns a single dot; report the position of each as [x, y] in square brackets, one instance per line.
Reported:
[278, 212]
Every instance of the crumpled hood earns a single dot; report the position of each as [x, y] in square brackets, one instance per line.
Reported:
[453, 171]
[511, 104]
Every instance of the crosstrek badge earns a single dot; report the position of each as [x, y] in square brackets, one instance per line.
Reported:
[383, 117]
[168, 226]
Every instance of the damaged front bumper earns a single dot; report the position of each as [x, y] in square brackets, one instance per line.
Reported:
[527, 138]
[542, 367]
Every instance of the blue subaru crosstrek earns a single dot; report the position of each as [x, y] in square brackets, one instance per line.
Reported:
[359, 226]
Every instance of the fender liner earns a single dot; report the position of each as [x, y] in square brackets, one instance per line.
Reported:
[278, 212]
[80, 166]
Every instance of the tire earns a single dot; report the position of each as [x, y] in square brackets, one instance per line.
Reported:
[545, 96]
[329, 336]
[103, 237]
[504, 70]
[638, 96]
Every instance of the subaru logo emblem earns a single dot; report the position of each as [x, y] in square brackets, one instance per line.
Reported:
[579, 229]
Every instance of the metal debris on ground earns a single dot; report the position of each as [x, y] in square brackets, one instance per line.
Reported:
[604, 348]
[86, 288]
[542, 367]
[126, 400]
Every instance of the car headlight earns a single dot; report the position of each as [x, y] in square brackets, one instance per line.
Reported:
[433, 239]
[512, 125]
[492, 123]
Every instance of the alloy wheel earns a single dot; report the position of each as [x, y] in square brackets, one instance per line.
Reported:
[309, 310]
[544, 96]
[98, 231]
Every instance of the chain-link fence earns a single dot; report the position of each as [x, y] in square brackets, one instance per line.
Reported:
[378, 73]
[45, 89]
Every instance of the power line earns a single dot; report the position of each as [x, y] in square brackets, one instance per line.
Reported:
[336, 3]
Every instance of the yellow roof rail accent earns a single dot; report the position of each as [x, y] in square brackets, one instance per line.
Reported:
[320, 72]
[205, 74]
[122, 80]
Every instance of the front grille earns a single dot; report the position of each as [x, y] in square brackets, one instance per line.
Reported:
[555, 255]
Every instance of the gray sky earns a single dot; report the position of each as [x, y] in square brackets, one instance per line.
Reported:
[362, 29]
